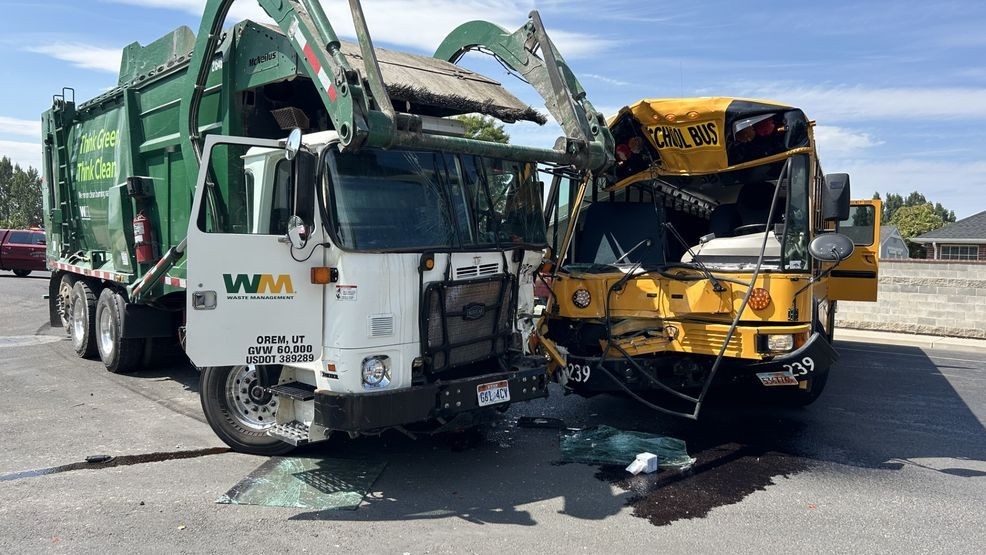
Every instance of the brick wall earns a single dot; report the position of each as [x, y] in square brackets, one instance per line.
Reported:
[924, 296]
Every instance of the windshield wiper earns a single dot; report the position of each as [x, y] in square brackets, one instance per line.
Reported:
[716, 286]
[635, 247]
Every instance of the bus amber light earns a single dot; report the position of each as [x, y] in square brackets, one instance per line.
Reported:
[759, 299]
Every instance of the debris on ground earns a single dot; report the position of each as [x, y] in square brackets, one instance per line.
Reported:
[645, 462]
[541, 422]
[608, 445]
[306, 483]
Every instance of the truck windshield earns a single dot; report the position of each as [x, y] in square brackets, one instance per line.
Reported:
[402, 200]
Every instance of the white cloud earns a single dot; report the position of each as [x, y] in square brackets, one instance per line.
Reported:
[859, 103]
[85, 56]
[23, 153]
[25, 127]
[421, 24]
[607, 80]
[840, 141]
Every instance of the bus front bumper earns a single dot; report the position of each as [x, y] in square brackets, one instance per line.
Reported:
[362, 412]
[582, 374]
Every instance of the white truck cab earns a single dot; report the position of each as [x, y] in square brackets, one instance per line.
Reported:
[361, 291]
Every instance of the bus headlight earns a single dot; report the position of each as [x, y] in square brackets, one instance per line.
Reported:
[376, 372]
[780, 343]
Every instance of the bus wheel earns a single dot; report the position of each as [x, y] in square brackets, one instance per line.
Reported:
[239, 411]
[118, 354]
[82, 313]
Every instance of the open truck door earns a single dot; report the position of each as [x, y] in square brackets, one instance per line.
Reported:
[856, 278]
[251, 300]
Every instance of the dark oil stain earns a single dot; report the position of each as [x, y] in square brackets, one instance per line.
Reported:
[102, 461]
[721, 476]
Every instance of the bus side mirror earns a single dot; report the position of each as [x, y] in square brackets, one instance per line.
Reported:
[835, 197]
[831, 247]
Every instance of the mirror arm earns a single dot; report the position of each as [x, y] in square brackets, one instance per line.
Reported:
[792, 313]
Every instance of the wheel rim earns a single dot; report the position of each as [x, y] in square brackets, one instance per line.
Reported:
[250, 405]
[78, 323]
[107, 333]
[65, 304]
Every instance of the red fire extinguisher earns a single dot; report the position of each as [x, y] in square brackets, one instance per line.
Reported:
[143, 239]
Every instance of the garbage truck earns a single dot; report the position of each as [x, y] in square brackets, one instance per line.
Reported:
[306, 217]
[712, 253]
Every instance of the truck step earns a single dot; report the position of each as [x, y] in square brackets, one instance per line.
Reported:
[294, 432]
[294, 390]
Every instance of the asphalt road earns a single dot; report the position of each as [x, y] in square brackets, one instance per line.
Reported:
[892, 458]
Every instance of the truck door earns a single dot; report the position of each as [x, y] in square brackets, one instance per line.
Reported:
[855, 279]
[251, 299]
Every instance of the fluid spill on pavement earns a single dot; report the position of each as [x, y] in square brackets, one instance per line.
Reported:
[124, 460]
[722, 476]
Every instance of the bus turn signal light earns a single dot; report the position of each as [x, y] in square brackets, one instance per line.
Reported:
[759, 299]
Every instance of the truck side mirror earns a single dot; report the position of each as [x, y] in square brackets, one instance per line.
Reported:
[292, 144]
[835, 197]
[297, 233]
[831, 247]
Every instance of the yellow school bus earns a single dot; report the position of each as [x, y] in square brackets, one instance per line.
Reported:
[713, 253]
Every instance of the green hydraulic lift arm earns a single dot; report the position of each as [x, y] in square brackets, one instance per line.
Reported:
[548, 73]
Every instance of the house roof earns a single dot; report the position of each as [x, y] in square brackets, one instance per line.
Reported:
[967, 230]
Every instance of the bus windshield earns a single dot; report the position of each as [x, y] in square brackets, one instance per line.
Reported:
[694, 182]
[403, 200]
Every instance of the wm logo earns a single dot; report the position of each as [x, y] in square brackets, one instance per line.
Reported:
[262, 284]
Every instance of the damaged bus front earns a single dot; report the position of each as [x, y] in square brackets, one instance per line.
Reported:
[712, 253]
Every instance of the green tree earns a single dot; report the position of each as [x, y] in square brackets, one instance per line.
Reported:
[484, 128]
[20, 196]
[912, 221]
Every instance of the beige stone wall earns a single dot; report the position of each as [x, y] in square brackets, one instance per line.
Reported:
[926, 297]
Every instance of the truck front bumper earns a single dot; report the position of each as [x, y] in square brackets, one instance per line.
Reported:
[790, 369]
[361, 412]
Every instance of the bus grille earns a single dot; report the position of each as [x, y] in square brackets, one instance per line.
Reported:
[467, 321]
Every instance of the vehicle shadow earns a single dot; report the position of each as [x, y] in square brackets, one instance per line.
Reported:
[486, 483]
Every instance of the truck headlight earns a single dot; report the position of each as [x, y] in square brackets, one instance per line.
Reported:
[781, 343]
[376, 372]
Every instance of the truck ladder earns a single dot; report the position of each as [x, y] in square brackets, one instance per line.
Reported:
[63, 116]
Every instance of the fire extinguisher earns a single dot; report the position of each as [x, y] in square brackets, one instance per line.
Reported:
[143, 239]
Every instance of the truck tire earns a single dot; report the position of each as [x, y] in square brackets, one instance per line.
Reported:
[64, 301]
[236, 413]
[22, 273]
[120, 355]
[83, 316]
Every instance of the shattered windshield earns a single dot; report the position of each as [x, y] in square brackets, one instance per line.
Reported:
[416, 200]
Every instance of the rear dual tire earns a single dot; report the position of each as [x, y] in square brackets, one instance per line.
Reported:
[120, 355]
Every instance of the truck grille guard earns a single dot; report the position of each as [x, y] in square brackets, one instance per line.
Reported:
[466, 321]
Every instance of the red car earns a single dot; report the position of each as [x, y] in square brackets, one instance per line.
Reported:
[22, 250]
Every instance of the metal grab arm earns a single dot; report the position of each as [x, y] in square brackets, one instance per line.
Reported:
[548, 73]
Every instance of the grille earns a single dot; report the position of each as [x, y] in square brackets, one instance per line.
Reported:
[380, 325]
[482, 270]
[467, 321]
[707, 341]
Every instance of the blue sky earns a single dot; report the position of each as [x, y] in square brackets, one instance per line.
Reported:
[898, 88]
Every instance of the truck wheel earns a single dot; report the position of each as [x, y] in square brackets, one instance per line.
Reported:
[22, 273]
[64, 301]
[239, 411]
[120, 355]
[83, 316]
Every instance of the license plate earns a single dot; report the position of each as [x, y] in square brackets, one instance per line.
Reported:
[771, 379]
[493, 393]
